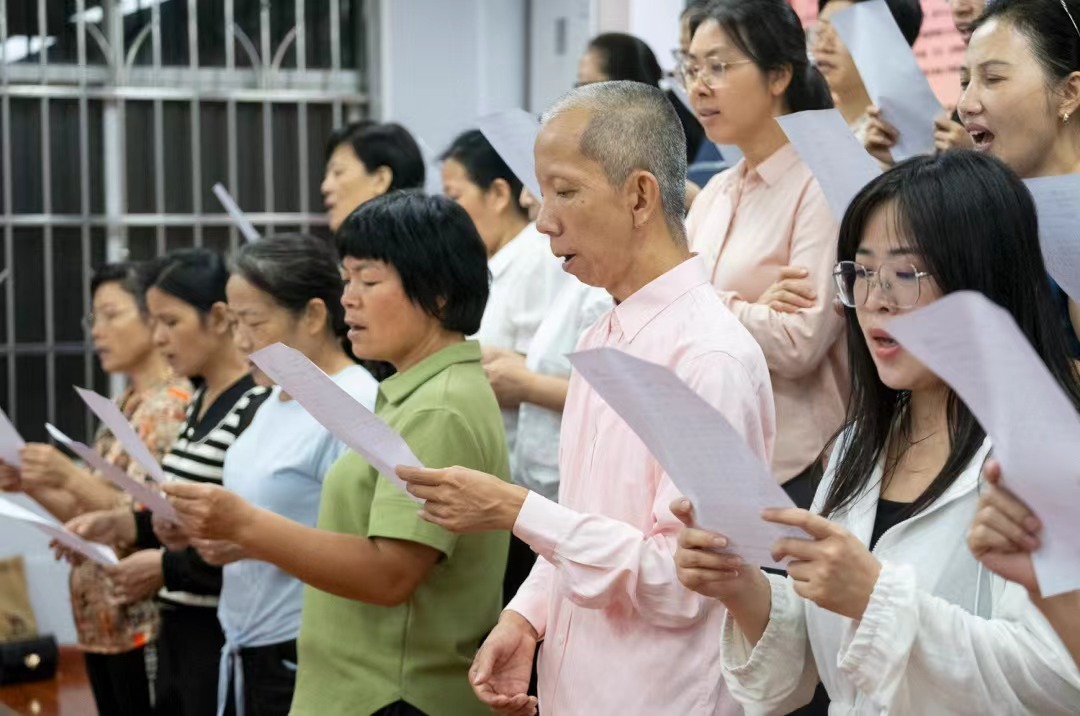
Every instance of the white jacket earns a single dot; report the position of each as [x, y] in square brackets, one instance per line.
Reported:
[941, 635]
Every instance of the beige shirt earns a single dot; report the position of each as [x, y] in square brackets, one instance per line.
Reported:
[747, 224]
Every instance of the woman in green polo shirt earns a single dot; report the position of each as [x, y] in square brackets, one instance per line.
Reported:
[395, 607]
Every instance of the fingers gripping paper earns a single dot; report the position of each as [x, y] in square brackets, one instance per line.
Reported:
[976, 347]
[336, 410]
[705, 457]
[91, 550]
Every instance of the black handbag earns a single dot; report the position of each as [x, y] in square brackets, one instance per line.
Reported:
[31, 659]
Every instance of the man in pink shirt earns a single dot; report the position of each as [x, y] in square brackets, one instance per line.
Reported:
[621, 635]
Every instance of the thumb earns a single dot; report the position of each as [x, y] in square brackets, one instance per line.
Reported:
[483, 664]
[684, 511]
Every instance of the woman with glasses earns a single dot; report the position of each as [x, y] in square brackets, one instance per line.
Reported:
[746, 65]
[884, 603]
[113, 636]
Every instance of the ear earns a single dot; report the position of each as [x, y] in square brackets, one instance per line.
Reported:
[643, 196]
[499, 195]
[1070, 97]
[381, 179]
[779, 80]
[314, 318]
[220, 318]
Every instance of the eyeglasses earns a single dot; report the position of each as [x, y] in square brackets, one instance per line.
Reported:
[900, 283]
[713, 73]
[92, 319]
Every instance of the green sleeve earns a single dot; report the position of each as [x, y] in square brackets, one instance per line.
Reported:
[439, 438]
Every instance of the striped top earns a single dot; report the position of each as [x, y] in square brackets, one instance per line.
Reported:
[198, 455]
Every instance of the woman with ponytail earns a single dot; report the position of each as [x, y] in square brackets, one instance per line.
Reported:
[747, 64]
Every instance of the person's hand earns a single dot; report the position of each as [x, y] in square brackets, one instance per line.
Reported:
[10, 479]
[501, 670]
[208, 512]
[1004, 532]
[136, 577]
[508, 376]
[791, 292]
[170, 534]
[65, 553]
[218, 553]
[112, 527]
[43, 466]
[701, 567]
[833, 568]
[462, 500]
[950, 135]
[881, 137]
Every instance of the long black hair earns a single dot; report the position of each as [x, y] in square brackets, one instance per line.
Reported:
[1049, 27]
[625, 57]
[974, 224]
[771, 34]
[195, 276]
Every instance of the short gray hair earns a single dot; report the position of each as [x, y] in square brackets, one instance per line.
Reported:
[633, 127]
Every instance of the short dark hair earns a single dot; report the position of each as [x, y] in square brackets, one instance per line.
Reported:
[770, 34]
[293, 269]
[383, 145]
[907, 13]
[196, 277]
[625, 57]
[974, 224]
[133, 277]
[433, 245]
[482, 163]
[1048, 27]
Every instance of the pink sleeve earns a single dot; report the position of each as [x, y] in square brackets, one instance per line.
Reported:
[531, 600]
[603, 562]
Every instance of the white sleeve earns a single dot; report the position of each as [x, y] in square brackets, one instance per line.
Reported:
[1010, 663]
[778, 674]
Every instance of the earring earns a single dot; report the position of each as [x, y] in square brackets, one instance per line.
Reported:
[1065, 118]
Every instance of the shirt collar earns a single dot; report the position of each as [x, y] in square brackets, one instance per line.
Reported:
[777, 165]
[400, 386]
[505, 256]
[649, 301]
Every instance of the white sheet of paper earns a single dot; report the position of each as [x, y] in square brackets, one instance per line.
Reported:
[115, 421]
[233, 209]
[91, 550]
[10, 442]
[513, 133]
[977, 348]
[336, 410]
[836, 158]
[1057, 200]
[145, 496]
[891, 74]
[705, 457]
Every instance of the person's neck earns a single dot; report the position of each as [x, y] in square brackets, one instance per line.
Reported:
[432, 343]
[510, 229]
[1063, 158]
[660, 253]
[221, 373]
[765, 142]
[917, 457]
[928, 413]
[150, 372]
[853, 103]
[330, 357]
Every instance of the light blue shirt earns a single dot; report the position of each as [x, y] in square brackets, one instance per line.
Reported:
[277, 464]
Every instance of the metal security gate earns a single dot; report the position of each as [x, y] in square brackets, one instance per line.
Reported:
[116, 118]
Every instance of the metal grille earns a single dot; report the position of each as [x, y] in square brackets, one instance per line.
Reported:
[116, 119]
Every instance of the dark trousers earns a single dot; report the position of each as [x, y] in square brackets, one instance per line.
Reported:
[519, 562]
[119, 682]
[269, 680]
[189, 653]
[399, 708]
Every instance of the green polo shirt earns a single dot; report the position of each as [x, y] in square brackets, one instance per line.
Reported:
[356, 658]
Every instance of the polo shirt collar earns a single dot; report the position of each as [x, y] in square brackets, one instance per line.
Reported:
[649, 301]
[777, 165]
[505, 257]
[400, 386]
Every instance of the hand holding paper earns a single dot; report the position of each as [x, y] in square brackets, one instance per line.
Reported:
[705, 457]
[121, 429]
[149, 498]
[336, 410]
[977, 348]
[96, 552]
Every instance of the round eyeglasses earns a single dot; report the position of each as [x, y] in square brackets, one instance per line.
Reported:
[900, 283]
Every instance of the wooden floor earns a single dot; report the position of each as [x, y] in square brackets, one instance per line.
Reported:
[66, 695]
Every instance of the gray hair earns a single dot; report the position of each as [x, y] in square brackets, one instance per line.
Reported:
[633, 127]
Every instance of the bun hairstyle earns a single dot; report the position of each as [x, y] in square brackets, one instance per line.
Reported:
[770, 34]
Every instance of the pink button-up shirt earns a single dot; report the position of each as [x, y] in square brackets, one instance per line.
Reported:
[746, 224]
[621, 634]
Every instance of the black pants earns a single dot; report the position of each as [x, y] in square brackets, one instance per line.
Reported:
[119, 682]
[189, 652]
[399, 708]
[519, 562]
[269, 680]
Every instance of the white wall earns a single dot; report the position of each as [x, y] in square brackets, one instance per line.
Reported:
[560, 31]
[48, 579]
